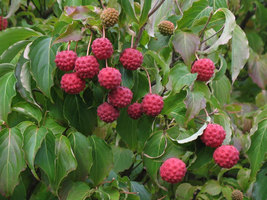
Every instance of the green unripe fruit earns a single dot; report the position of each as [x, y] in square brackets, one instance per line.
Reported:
[237, 195]
[166, 28]
[109, 17]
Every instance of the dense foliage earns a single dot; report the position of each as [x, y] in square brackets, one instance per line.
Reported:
[54, 146]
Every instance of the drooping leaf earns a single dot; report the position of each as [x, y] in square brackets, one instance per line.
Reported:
[258, 148]
[128, 7]
[12, 35]
[102, 159]
[260, 185]
[222, 90]
[240, 51]
[12, 159]
[186, 44]
[7, 88]
[5, 68]
[145, 9]
[140, 190]
[33, 138]
[122, 157]
[78, 191]
[42, 55]
[83, 153]
[53, 126]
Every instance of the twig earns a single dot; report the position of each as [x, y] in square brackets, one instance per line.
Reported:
[148, 77]
[212, 35]
[106, 62]
[141, 30]
[104, 34]
[69, 46]
[206, 112]
[89, 44]
[165, 147]
[126, 192]
[162, 197]
[76, 46]
[206, 25]
[196, 56]
[132, 41]
[179, 8]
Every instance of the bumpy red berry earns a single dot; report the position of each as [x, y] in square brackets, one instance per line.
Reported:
[109, 17]
[107, 113]
[152, 104]
[237, 195]
[131, 59]
[120, 97]
[72, 83]
[65, 60]
[102, 48]
[213, 135]
[86, 66]
[173, 170]
[166, 28]
[226, 156]
[204, 68]
[3, 23]
[109, 77]
[135, 110]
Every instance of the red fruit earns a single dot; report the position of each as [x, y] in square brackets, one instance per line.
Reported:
[226, 156]
[109, 77]
[152, 104]
[135, 110]
[3, 23]
[65, 60]
[120, 97]
[131, 59]
[213, 135]
[86, 67]
[107, 112]
[173, 170]
[72, 83]
[204, 68]
[102, 48]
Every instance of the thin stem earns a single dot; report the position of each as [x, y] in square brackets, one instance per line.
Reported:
[141, 30]
[104, 33]
[162, 197]
[206, 25]
[76, 46]
[89, 44]
[102, 4]
[106, 62]
[206, 112]
[69, 46]
[212, 35]
[196, 56]
[179, 8]
[132, 41]
[148, 77]
[126, 192]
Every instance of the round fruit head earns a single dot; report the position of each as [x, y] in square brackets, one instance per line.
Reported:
[213, 135]
[109, 77]
[152, 104]
[131, 59]
[135, 110]
[107, 113]
[120, 97]
[72, 83]
[86, 67]
[204, 69]
[102, 48]
[65, 60]
[109, 17]
[226, 156]
[173, 170]
[237, 195]
[166, 28]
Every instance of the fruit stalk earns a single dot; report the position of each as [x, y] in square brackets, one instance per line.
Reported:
[89, 44]
[148, 77]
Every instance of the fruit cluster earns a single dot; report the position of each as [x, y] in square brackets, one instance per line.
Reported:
[87, 67]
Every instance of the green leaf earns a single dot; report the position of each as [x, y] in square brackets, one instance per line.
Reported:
[78, 191]
[65, 160]
[14, 6]
[185, 191]
[260, 186]
[220, 4]
[141, 190]
[8, 55]
[180, 77]
[228, 29]
[140, 87]
[186, 44]
[13, 35]
[223, 66]
[240, 51]
[42, 55]
[145, 9]
[128, 7]
[174, 103]
[200, 8]
[7, 88]
[33, 138]
[72, 33]
[243, 177]
[212, 187]
[102, 159]
[195, 102]
[258, 148]
[53, 126]
[225, 121]
[29, 110]
[83, 154]
[122, 158]
[227, 192]
[40, 192]
[12, 159]
[222, 90]
[79, 115]
[5, 68]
